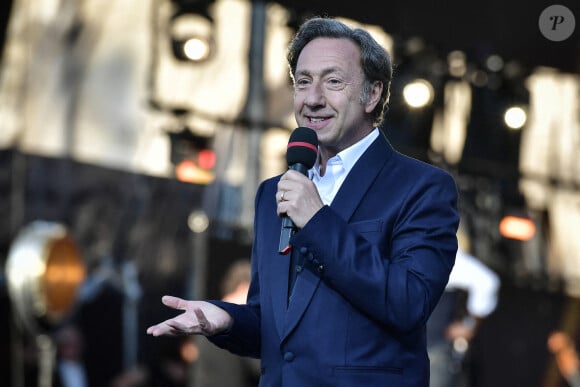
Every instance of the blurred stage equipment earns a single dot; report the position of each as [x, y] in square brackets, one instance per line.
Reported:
[550, 170]
[192, 157]
[191, 29]
[44, 272]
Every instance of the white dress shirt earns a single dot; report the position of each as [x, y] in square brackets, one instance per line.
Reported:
[338, 167]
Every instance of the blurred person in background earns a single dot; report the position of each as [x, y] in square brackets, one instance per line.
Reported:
[70, 369]
[562, 347]
[454, 323]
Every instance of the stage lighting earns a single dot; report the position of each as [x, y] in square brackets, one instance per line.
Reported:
[44, 270]
[517, 227]
[418, 93]
[191, 30]
[193, 158]
[196, 48]
[515, 117]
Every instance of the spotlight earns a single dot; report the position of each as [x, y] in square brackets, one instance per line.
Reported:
[44, 271]
[191, 31]
[418, 93]
[194, 49]
[515, 117]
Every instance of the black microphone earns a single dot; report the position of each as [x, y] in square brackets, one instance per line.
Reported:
[300, 155]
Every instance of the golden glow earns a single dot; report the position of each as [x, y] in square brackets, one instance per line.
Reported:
[515, 227]
[188, 172]
[418, 93]
[189, 351]
[64, 274]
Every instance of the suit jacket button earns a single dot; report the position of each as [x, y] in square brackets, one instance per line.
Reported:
[289, 356]
[303, 250]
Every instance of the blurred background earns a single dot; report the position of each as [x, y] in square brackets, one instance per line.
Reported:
[134, 133]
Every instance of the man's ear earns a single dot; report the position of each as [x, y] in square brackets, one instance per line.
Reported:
[374, 96]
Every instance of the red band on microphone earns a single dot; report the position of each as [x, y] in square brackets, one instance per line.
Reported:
[303, 144]
[286, 250]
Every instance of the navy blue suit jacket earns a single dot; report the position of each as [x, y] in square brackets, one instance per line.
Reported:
[375, 263]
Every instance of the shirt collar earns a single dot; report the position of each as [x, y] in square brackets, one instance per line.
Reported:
[350, 155]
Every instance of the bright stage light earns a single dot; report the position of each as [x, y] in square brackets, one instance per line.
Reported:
[418, 93]
[515, 117]
[191, 32]
[515, 227]
[196, 49]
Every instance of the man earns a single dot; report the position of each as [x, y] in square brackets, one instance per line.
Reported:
[375, 244]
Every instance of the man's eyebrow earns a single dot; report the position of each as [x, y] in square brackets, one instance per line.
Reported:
[303, 72]
[326, 71]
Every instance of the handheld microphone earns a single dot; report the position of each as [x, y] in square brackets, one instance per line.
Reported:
[300, 155]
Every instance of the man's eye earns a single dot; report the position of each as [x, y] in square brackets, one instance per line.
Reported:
[334, 84]
[302, 83]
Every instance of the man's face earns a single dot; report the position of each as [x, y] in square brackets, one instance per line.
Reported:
[327, 93]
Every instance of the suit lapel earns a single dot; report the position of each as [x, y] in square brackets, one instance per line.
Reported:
[276, 265]
[280, 295]
[304, 288]
[360, 178]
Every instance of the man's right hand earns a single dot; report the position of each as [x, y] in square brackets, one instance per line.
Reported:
[198, 318]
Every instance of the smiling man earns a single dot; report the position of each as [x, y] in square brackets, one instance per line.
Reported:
[375, 240]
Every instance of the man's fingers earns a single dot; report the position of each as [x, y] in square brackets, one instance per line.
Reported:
[174, 302]
[157, 330]
[173, 327]
[198, 318]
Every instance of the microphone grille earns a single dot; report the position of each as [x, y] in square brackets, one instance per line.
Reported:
[302, 147]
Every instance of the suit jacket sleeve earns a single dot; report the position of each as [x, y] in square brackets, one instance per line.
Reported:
[392, 256]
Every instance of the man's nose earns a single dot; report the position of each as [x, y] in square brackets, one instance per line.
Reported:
[315, 95]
